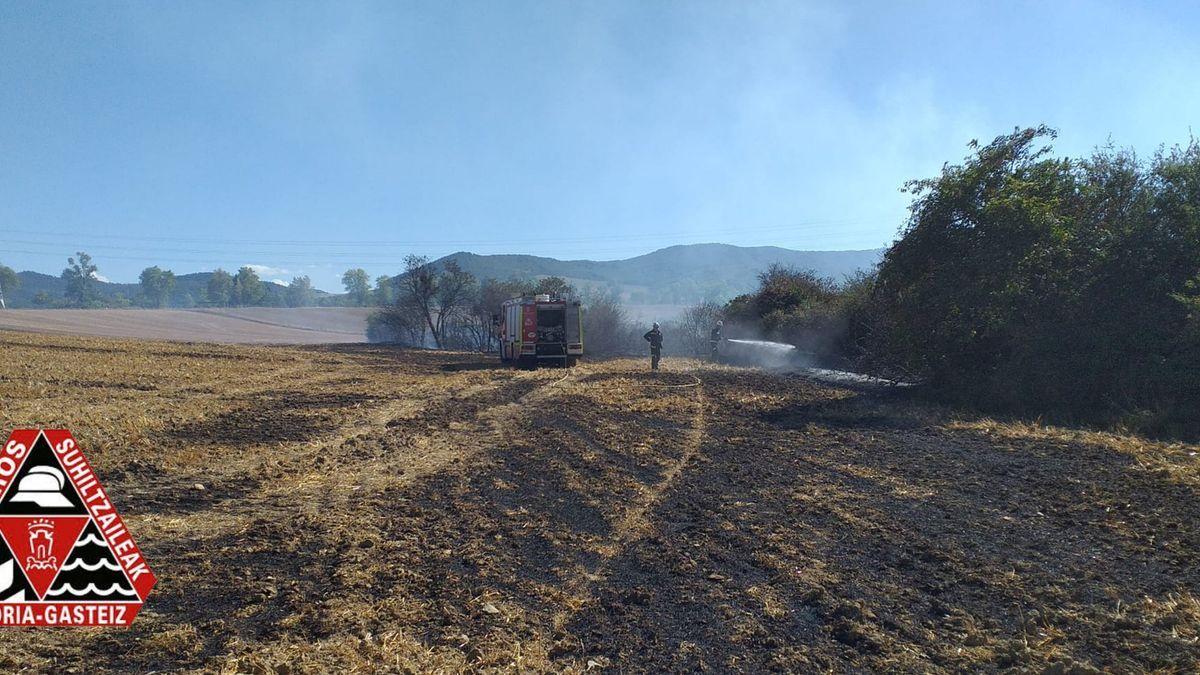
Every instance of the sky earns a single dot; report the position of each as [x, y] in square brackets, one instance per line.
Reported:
[305, 138]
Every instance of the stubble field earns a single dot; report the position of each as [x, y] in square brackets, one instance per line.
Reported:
[231, 325]
[356, 507]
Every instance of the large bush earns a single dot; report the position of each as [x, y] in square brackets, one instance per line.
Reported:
[1039, 283]
[804, 309]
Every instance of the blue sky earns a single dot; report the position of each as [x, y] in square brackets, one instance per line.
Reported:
[306, 138]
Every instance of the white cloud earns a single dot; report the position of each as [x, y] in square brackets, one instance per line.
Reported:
[267, 270]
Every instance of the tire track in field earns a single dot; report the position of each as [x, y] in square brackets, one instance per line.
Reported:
[319, 521]
[470, 415]
[636, 523]
[275, 324]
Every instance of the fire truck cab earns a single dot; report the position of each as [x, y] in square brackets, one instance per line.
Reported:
[541, 330]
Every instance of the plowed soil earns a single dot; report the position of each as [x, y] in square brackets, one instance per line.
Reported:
[356, 507]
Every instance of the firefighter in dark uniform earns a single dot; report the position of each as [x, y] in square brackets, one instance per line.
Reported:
[654, 337]
[714, 342]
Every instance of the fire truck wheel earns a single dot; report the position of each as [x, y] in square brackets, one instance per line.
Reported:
[527, 363]
[571, 361]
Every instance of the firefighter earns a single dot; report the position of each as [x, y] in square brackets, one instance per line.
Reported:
[714, 341]
[654, 337]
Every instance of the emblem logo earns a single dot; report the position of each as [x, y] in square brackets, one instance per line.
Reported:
[66, 558]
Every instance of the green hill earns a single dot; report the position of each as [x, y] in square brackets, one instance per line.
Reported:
[675, 275]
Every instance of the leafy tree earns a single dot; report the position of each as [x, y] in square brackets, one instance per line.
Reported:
[9, 281]
[157, 285]
[248, 289]
[493, 293]
[274, 295]
[300, 292]
[439, 297]
[419, 291]
[80, 275]
[554, 286]
[220, 288]
[477, 320]
[385, 292]
[358, 286]
[455, 289]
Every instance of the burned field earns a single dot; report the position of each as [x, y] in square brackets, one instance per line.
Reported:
[357, 507]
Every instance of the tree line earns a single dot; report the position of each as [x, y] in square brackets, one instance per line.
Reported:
[426, 304]
[445, 307]
[440, 293]
[1026, 283]
[158, 288]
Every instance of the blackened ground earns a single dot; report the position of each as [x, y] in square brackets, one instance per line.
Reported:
[360, 508]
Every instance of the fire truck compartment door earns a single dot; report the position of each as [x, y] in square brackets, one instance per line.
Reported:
[572, 323]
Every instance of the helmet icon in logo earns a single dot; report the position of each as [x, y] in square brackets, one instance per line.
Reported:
[43, 486]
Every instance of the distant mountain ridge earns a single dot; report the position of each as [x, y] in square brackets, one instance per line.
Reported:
[680, 274]
[676, 275]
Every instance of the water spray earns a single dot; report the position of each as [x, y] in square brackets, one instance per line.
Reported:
[763, 353]
[780, 356]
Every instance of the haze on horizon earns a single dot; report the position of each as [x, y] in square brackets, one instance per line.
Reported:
[307, 139]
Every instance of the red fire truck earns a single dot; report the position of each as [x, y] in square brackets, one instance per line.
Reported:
[541, 329]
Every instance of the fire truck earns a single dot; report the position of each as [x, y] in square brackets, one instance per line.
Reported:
[541, 329]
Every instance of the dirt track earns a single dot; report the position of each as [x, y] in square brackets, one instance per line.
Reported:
[363, 508]
[241, 325]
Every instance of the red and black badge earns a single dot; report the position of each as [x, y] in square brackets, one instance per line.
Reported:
[66, 558]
